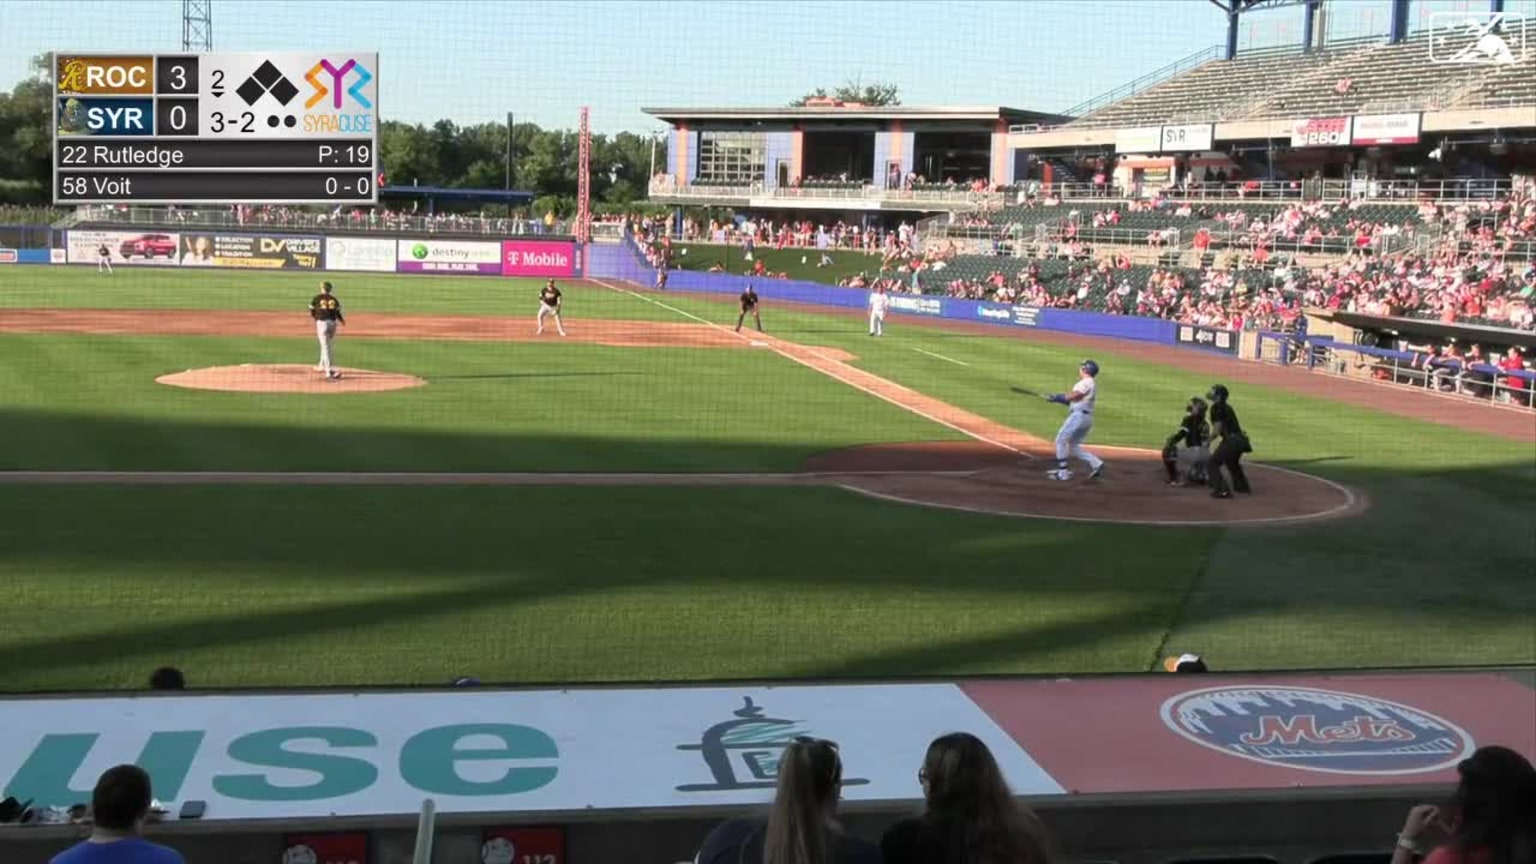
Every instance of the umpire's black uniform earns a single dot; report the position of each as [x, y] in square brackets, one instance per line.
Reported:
[1229, 452]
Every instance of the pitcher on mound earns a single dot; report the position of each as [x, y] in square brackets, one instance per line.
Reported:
[326, 310]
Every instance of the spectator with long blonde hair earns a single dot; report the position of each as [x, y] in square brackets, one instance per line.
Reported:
[802, 826]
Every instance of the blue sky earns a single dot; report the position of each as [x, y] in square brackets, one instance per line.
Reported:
[473, 60]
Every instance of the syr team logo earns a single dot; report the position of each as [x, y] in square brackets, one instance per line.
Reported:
[335, 77]
[1317, 730]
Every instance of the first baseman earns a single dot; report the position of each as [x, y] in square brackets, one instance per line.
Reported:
[749, 301]
[326, 310]
[878, 301]
[550, 301]
[1074, 430]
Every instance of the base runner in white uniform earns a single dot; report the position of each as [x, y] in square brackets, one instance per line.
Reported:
[878, 301]
[1074, 430]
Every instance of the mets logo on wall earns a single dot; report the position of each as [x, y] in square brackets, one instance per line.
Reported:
[1317, 730]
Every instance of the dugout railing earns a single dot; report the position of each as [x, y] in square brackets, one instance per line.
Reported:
[1448, 377]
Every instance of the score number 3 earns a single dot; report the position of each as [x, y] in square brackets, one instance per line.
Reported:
[245, 123]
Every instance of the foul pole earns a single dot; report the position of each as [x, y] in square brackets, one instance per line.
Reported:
[584, 182]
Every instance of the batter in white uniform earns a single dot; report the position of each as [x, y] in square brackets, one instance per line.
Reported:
[878, 301]
[1074, 430]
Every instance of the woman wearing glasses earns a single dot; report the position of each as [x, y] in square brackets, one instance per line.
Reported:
[802, 826]
[971, 817]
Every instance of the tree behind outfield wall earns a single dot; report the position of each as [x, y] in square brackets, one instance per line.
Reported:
[26, 141]
[877, 94]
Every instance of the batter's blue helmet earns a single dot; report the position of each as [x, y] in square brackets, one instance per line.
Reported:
[1090, 367]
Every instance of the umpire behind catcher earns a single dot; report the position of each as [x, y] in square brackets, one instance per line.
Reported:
[1229, 451]
[1187, 445]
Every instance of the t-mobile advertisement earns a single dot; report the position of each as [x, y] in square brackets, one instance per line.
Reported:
[534, 258]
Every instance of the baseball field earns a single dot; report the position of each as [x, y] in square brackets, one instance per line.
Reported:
[654, 497]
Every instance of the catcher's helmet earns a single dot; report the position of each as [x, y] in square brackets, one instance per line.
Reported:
[1197, 406]
[1090, 367]
[1218, 393]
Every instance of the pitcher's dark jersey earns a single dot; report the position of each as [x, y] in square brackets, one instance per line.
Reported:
[325, 307]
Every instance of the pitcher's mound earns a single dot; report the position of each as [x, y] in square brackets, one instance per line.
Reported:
[287, 378]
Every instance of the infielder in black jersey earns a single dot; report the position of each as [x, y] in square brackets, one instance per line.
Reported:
[104, 259]
[550, 301]
[326, 310]
[1231, 445]
[749, 303]
[1188, 445]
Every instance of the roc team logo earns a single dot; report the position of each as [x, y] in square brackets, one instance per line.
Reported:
[1317, 730]
[328, 79]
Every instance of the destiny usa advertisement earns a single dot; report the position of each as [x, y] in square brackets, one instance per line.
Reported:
[256, 251]
[448, 256]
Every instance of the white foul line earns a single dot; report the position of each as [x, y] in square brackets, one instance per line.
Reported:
[827, 372]
[941, 357]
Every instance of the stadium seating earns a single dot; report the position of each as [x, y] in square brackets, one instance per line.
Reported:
[1382, 78]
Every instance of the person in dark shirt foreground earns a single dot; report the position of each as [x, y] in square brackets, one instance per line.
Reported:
[971, 817]
[802, 825]
[119, 807]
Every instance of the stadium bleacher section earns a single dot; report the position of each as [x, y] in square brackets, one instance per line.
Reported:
[1354, 77]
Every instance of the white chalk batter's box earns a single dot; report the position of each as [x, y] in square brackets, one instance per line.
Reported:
[288, 95]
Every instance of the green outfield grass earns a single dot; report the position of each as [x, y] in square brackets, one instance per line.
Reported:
[263, 585]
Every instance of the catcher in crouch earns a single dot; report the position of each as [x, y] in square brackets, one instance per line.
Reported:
[1189, 445]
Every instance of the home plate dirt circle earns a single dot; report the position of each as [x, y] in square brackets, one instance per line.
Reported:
[287, 378]
[981, 478]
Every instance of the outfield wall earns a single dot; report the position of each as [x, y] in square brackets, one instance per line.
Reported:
[523, 258]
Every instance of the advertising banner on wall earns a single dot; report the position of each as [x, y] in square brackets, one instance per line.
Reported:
[534, 845]
[9, 256]
[917, 303]
[1321, 132]
[332, 848]
[535, 258]
[360, 253]
[1375, 129]
[123, 247]
[292, 756]
[1208, 337]
[1188, 138]
[252, 251]
[1145, 139]
[448, 256]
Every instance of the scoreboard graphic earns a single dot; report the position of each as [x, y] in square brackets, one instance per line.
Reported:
[216, 128]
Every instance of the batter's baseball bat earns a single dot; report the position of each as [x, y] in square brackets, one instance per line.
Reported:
[1027, 392]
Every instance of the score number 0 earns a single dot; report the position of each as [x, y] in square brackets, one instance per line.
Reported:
[362, 187]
